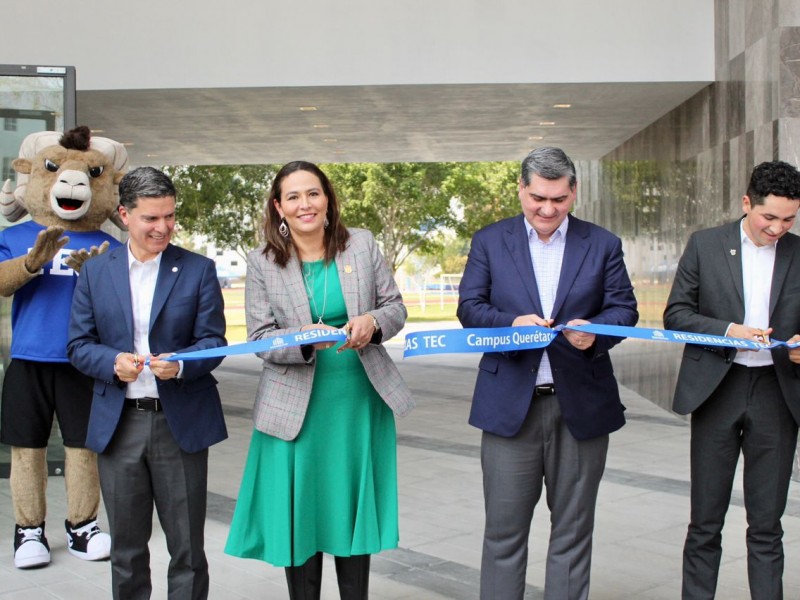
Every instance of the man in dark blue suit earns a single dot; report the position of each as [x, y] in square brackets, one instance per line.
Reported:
[151, 424]
[545, 414]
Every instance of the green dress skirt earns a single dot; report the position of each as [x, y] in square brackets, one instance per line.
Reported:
[334, 488]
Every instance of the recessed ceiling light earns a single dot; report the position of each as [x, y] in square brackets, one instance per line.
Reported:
[562, 105]
[98, 130]
[151, 155]
[308, 108]
[545, 123]
[320, 126]
[330, 140]
[127, 143]
[536, 137]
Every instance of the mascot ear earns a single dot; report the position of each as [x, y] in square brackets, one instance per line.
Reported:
[22, 165]
[117, 220]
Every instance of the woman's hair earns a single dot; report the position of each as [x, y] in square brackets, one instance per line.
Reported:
[336, 234]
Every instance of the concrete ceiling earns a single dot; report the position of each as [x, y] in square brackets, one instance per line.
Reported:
[423, 123]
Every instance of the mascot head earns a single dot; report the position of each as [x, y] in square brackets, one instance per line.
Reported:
[69, 180]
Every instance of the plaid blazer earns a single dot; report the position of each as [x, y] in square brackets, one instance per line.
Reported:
[276, 304]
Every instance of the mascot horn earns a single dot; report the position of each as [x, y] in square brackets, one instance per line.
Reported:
[68, 185]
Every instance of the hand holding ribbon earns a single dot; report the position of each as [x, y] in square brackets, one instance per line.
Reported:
[127, 366]
[794, 348]
[162, 367]
[745, 332]
[360, 330]
[580, 339]
[532, 320]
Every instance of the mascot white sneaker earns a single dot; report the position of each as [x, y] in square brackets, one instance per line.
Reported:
[68, 185]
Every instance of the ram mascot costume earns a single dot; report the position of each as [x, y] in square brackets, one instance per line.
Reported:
[68, 185]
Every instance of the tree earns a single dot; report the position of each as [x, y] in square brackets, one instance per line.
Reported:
[409, 207]
[225, 203]
[485, 192]
[403, 204]
[453, 257]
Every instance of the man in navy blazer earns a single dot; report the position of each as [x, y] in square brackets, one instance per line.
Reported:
[545, 414]
[151, 424]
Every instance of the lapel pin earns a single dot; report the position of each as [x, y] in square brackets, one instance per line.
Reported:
[348, 269]
[733, 251]
[174, 269]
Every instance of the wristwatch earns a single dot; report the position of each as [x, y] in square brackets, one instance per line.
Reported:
[374, 322]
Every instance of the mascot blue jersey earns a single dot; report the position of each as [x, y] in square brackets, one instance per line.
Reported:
[41, 307]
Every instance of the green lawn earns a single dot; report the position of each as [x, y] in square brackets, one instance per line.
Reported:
[437, 307]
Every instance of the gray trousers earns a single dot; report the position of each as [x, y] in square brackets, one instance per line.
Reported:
[143, 466]
[514, 469]
[747, 414]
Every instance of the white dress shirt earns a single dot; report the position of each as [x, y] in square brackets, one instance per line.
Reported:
[758, 262]
[547, 258]
[143, 277]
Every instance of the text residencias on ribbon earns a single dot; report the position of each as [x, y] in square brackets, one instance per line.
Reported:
[300, 338]
[507, 339]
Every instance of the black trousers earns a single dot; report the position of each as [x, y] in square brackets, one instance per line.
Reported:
[747, 413]
[352, 574]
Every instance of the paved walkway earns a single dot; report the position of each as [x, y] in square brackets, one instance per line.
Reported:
[641, 517]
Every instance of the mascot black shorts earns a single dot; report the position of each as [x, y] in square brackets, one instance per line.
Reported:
[33, 392]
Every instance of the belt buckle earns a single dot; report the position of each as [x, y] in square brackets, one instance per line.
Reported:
[143, 404]
[546, 389]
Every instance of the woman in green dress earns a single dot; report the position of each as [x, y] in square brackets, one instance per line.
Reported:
[321, 472]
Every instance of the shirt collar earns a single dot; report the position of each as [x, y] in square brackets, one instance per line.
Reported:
[747, 241]
[132, 259]
[562, 230]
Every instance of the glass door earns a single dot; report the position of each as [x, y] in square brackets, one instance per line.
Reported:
[32, 98]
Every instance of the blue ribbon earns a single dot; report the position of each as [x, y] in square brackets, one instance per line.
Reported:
[680, 337]
[300, 338]
[497, 339]
[503, 339]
